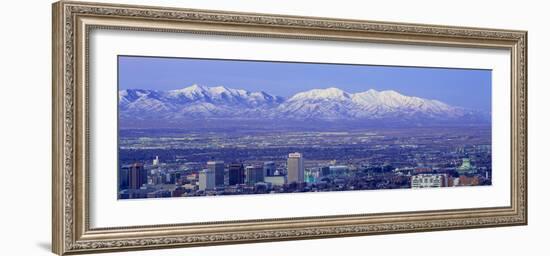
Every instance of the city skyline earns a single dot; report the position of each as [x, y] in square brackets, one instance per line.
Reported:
[469, 88]
[389, 159]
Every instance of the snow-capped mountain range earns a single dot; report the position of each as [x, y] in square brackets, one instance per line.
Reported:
[198, 102]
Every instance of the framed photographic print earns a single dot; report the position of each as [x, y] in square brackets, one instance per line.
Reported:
[179, 127]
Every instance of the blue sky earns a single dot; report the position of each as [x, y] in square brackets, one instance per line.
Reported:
[459, 87]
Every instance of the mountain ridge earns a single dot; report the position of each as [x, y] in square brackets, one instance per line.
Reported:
[198, 102]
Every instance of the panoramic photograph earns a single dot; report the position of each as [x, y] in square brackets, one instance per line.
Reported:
[191, 127]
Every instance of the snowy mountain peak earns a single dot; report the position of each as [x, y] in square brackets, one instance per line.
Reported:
[331, 93]
[222, 90]
[196, 88]
[192, 91]
[370, 91]
[392, 94]
[374, 92]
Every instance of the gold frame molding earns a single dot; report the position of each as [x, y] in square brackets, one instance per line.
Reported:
[72, 22]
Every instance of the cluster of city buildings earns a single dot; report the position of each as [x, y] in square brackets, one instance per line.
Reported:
[468, 176]
[136, 182]
[156, 180]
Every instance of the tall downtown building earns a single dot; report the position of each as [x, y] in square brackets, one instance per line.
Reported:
[236, 174]
[254, 174]
[207, 179]
[295, 166]
[218, 168]
[132, 176]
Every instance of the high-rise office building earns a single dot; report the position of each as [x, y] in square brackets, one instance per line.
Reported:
[254, 174]
[295, 166]
[207, 179]
[269, 168]
[123, 177]
[236, 174]
[311, 175]
[156, 161]
[137, 175]
[218, 168]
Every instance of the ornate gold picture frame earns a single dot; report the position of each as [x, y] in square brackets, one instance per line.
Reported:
[72, 24]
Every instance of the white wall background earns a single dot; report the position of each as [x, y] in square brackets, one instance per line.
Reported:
[25, 114]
